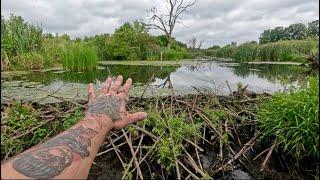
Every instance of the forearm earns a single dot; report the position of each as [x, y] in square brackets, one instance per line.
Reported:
[68, 155]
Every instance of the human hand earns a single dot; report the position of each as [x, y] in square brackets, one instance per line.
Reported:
[111, 103]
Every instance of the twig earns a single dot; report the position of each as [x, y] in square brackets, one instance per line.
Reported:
[144, 131]
[52, 93]
[149, 82]
[133, 154]
[115, 150]
[193, 163]
[195, 145]
[31, 130]
[177, 169]
[185, 168]
[104, 152]
[198, 157]
[268, 155]
[242, 150]
[132, 159]
[65, 100]
[261, 153]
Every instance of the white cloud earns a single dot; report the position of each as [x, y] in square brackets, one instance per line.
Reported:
[215, 21]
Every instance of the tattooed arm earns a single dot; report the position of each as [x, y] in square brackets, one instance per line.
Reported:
[70, 154]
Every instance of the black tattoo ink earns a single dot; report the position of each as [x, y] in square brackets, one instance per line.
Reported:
[55, 155]
[109, 105]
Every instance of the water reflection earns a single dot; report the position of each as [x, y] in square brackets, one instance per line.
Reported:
[201, 75]
[140, 74]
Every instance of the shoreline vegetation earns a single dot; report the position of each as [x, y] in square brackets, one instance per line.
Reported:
[194, 136]
[26, 47]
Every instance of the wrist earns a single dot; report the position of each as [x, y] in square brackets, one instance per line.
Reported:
[100, 122]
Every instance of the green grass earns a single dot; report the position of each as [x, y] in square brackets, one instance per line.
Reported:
[168, 55]
[293, 119]
[19, 119]
[79, 57]
[289, 50]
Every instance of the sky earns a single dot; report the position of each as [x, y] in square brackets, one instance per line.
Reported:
[216, 22]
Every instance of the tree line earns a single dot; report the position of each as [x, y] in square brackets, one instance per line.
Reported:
[296, 31]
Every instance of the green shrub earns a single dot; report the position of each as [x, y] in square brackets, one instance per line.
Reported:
[293, 119]
[30, 60]
[79, 57]
[173, 130]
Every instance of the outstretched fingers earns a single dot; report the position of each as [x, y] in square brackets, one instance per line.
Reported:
[114, 89]
[106, 86]
[91, 94]
[125, 88]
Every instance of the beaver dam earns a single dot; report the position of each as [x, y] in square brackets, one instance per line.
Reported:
[188, 137]
[206, 119]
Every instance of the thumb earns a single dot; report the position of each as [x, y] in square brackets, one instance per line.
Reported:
[137, 116]
[131, 118]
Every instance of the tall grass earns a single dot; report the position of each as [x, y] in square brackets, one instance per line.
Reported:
[29, 61]
[168, 55]
[79, 57]
[293, 119]
[290, 50]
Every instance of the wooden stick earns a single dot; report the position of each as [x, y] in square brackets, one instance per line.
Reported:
[133, 155]
[243, 149]
[132, 159]
[115, 150]
[144, 131]
[195, 145]
[31, 130]
[110, 149]
[268, 155]
[185, 168]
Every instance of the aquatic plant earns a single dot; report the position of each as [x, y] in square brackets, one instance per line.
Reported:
[288, 50]
[293, 119]
[79, 57]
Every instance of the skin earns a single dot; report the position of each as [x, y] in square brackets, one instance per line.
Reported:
[70, 154]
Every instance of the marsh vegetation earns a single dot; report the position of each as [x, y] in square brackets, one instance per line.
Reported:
[208, 117]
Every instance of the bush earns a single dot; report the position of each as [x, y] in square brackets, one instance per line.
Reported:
[30, 60]
[293, 119]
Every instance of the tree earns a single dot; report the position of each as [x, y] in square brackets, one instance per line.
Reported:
[297, 31]
[194, 43]
[265, 37]
[167, 22]
[214, 47]
[313, 28]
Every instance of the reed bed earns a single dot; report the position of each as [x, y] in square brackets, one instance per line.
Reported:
[168, 55]
[290, 50]
[79, 57]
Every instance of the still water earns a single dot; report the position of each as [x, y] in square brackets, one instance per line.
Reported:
[185, 78]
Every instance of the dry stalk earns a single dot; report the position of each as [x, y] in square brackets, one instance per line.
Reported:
[263, 166]
[133, 154]
[31, 130]
[242, 150]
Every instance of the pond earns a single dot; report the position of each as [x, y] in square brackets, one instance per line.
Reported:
[149, 79]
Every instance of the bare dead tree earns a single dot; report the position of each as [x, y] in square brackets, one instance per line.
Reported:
[192, 42]
[200, 44]
[195, 44]
[167, 22]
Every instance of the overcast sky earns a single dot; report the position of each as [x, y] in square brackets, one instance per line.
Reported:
[215, 21]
